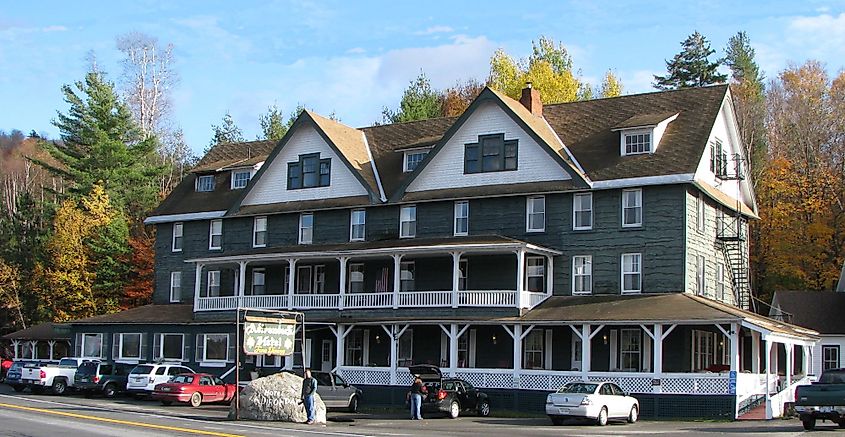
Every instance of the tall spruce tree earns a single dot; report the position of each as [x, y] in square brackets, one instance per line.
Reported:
[226, 132]
[273, 125]
[419, 102]
[749, 99]
[691, 67]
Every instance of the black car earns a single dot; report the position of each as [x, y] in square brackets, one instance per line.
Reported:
[13, 376]
[94, 377]
[449, 395]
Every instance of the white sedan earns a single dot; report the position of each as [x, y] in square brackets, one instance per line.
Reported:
[598, 401]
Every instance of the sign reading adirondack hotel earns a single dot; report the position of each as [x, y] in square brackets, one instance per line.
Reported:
[268, 336]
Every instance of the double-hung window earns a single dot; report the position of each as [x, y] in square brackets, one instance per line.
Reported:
[582, 274]
[406, 276]
[413, 158]
[176, 245]
[258, 276]
[205, 183]
[169, 347]
[699, 214]
[408, 221]
[310, 171]
[213, 288]
[128, 346]
[306, 228]
[830, 357]
[175, 286]
[630, 351]
[213, 347]
[582, 211]
[700, 275]
[461, 217]
[356, 278]
[355, 347]
[357, 225]
[720, 281]
[215, 235]
[490, 153]
[533, 354]
[240, 178]
[91, 345]
[632, 208]
[535, 214]
[536, 274]
[259, 232]
[632, 269]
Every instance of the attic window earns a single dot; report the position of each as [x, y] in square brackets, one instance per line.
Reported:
[413, 158]
[205, 183]
[309, 172]
[240, 178]
[637, 142]
[491, 153]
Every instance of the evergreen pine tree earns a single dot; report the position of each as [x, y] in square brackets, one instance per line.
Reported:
[419, 102]
[691, 67]
[226, 132]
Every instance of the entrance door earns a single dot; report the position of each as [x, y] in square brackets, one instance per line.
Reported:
[576, 353]
[326, 356]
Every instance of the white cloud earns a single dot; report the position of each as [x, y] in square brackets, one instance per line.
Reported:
[638, 81]
[821, 36]
[435, 29]
[54, 28]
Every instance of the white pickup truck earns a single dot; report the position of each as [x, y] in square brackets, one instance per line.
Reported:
[58, 377]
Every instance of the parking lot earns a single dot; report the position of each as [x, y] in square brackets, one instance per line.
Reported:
[29, 414]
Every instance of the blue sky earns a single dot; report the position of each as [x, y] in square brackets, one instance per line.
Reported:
[353, 58]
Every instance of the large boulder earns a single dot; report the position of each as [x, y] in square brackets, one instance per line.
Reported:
[276, 397]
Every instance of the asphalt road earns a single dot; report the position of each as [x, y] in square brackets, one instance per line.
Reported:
[74, 416]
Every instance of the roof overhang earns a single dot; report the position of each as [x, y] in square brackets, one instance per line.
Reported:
[187, 217]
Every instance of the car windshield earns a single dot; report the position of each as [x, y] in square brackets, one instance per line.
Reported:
[182, 379]
[88, 368]
[578, 387]
[835, 377]
[141, 370]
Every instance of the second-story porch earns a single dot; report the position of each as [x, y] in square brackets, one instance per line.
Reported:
[493, 272]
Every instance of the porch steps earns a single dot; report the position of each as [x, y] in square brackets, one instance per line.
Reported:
[756, 413]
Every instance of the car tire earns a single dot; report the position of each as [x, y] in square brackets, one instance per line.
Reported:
[454, 410]
[809, 423]
[484, 408]
[59, 387]
[353, 404]
[196, 399]
[18, 388]
[167, 403]
[110, 390]
[633, 415]
[557, 421]
[601, 420]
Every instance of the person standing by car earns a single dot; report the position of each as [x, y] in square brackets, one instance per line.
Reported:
[415, 396]
[309, 387]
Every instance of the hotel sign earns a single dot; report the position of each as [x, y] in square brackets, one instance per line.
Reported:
[269, 336]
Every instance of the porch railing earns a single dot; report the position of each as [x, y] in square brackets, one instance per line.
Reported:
[550, 380]
[404, 299]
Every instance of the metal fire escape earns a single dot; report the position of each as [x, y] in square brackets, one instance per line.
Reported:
[732, 233]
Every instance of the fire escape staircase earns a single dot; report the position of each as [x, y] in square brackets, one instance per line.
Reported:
[731, 237]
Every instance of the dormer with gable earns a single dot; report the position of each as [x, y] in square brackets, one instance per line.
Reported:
[642, 133]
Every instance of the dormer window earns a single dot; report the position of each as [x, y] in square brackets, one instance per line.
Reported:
[637, 142]
[413, 158]
[491, 153]
[240, 178]
[205, 183]
[309, 172]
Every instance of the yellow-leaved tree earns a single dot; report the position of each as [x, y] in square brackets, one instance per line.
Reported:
[549, 69]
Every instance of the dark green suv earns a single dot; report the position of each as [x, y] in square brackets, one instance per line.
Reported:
[94, 377]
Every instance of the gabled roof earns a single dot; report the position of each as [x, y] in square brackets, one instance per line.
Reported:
[822, 311]
[44, 331]
[644, 120]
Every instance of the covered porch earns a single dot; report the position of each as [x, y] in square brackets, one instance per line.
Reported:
[44, 342]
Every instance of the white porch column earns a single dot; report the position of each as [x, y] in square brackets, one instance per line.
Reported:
[15, 345]
[52, 344]
[291, 281]
[790, 363]
[550, 274]
[805, 360]
[453, 348]
[520, 279]
[343, 260]
[657, 363]
[734, 338]
[340, 345]
[517, 353]
[769, 411]
[586, 353]
[456, 277]
[755, 352]
[397, 280]
[241, 279]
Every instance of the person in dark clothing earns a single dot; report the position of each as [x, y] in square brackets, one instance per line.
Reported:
[415, 396]
[309, 387]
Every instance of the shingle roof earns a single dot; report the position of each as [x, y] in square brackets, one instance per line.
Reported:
[822, 311]
[44, 331]
[150, 314]
[643, 120]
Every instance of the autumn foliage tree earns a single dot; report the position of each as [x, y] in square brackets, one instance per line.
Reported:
[548, 68]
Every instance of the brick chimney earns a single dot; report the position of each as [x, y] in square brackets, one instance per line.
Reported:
[531, 100]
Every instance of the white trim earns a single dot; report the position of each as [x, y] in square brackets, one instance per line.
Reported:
[528, 212]
[173, 236]
[640, 206]
[645, 180]
[211, 234]
[173, 275]
[568, 153]
[414, 151]
[375, 169]
[622, 273]
[204, 361]
[352, 224]
[299, 238]
[414, 221]
[187, 217]
[232, 178]
[255, 230]
[160, 355]
[209, 275]
[629, 132]
[590, 263]
[455, 218]
[256, 271]
[120, 346]
[582, 228]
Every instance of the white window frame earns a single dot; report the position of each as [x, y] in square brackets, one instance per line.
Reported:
[411, 268]
[259, 227]
[120, 346]
[647, 148]
[585, 270]
[415, 152]
[212, 233]
[201, 187]
[205, 358]
[160, 351]
[700, 275]
[463, 271]
[700, 218]
[532, 265]
[720, 281]
[408, 214]
[319, 278]
[576, 209]
[639, 272]
[175, 287]
[301, 282]
[178, 232]
[530, 209]
[358, 222]
[268, 361]
[638, 351]
[236, 183]
[355, 346]
[303, 239]
[639, 205]
[354, 272]
[82, 346]
[534, 344]
[461, 217]
[259, 273]
[405, 348]
[213, 281]
[833, 362]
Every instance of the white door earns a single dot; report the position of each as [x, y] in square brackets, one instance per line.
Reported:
[576, 353]
[326, 356]
[307, 362]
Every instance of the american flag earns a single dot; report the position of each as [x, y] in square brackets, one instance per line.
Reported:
[383, 281]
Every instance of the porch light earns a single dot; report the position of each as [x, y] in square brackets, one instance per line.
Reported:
[378, 339]
[494, 338]
[604, 338]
